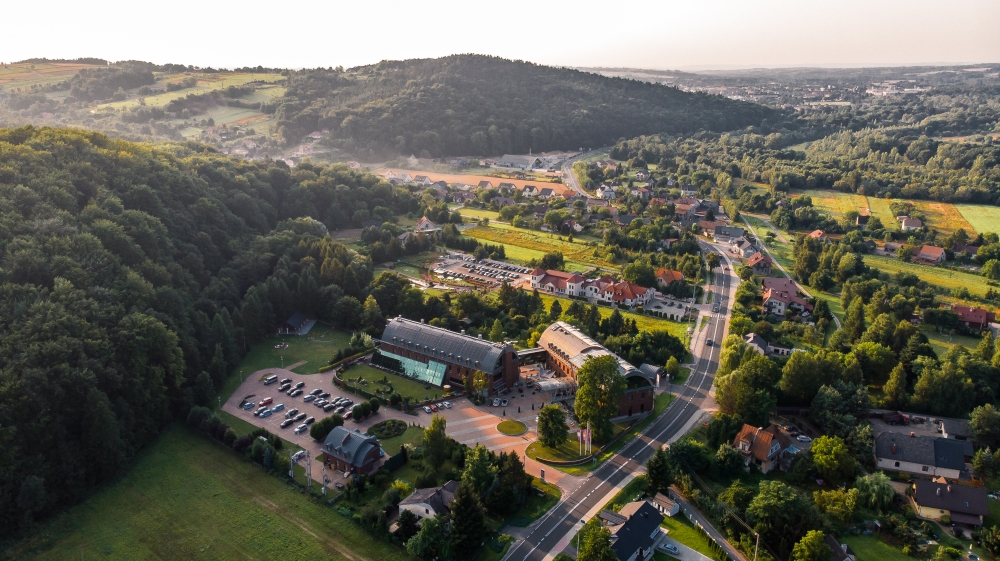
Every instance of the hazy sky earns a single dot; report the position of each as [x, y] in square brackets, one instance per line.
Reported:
[691, 34]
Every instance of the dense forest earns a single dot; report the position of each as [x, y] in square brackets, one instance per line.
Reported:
[480, 105]
[133, 278]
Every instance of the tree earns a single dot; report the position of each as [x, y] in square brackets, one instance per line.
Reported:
[597, 546]
[986, 347]
[737, 395]
[407, 525]
[552, 429]
[811, 547]
[374, 403]
[672, 367]
[876, 361]
[832, 459]
[854, 322]
[780, 514]
[875, 491]
[985, 425]
[480, 382]
[839, 504]
[640, 272]
[990, 537]
[713, 260]
[555, 311]
[371, 314]
[31, 498]
[728, 461]
[496, 333]
[895, 388]
[659, 472]
[436, 442]
[468, 521]
[479, 471]
[433, 540]
[600, 390]
[320, 429]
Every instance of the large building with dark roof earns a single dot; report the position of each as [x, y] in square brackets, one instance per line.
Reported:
[350, 451]
[962, 503]
[927, 455]
[439, 356]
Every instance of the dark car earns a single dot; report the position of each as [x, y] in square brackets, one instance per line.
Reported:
[284, 388]
[299, 385]
[708, 343]
[324, 395]
[286, 423]
[310, 420]
[300, 416]
[286, 381]
[317, 391]
[329, 407]
[291, 413]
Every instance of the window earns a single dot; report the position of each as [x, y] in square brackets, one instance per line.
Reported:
[925, 467]
[897, 464]
[427, 511]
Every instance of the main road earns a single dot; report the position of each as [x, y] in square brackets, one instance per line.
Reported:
[565, 518]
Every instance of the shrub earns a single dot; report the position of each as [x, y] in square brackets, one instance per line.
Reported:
[426, 480]
[197, 415]
[946, 519]
[374, 403]
[240, 444]
[229, 438]
[320, 429]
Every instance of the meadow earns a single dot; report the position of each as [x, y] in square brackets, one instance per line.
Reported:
[943, 217]
[579, 251]
[208, 82]
[189, 498]
[938, 276]
[982, 218]
[835, 202]
[26, 75]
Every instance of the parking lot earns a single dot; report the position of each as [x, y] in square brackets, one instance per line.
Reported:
[483, 272]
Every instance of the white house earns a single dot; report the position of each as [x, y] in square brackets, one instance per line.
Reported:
[428, 503]
[425, 225]
[926, 455]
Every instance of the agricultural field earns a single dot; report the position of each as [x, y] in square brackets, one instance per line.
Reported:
[579, 251]
[478, 213]
[835, 202]
[880, 208]
[496, 177]
[943, 217]
[189, 498]
[26, 75]
[207, 83]
[982, 218]
[938, 276]
[643, 322]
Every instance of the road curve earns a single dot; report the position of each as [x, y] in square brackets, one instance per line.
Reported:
[564, 519]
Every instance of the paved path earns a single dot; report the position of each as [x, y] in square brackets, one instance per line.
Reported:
[695, 516]
[554, 530]
[801, 288]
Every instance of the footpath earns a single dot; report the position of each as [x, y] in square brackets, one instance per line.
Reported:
[696, 518]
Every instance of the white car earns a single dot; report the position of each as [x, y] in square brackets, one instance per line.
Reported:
[427, 409]
[447, 404]
[301, 428]
[496, 402]
[803, 438]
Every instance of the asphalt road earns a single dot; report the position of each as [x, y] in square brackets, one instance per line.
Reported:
[569, 178]
[564, 519]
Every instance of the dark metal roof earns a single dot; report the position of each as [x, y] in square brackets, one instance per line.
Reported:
[932, 451]
[443, 345]
[637, 532]
[349, 445]
[956, 498]
[297, 319]
[949, 453]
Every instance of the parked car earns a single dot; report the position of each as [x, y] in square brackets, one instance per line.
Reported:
[286, 381]
[503, 403]
[325, 395]
[299, 455]
[248, 405]
[259, 411]
[299, 385]
[434, 408]
[278, 407]
[265, 401]
[427, 409]
[669, 548]
[340, 409]
[447, 404]
[284, 388]
[291, 413]
[301, 428]
[708, 343]
[496, 402]
[295, 393]
[310, 420]
[329, 407]
[300, 416]
[266, 413]
[320, 402]
[286, 423]
[804, 438]
[317, 391]
[308, 398]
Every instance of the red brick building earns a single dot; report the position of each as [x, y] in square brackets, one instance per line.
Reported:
[350, 451]
[974, 318]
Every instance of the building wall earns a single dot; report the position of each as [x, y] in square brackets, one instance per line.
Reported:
[637, 401]
[456, 374]
[422, 510]
[909, 467]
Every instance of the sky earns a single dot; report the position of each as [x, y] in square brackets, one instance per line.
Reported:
[665, 34]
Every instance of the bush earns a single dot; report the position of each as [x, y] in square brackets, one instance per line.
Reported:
[374, 403]
[197, 415]
[426, 480]
[945, 519]
[320, 429]
[229, 438]
[395, 399]
[240, 444]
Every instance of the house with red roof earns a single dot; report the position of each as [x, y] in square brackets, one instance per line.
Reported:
[817, 234]
[931, 255]
[974, 318]
[625, 293]
[664, 277]
[760, 263]
[426, 225]
[558, 282]
[763, 448]
[778, 301]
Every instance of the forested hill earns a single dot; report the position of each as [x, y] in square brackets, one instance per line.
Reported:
[130, 278]
[480, 105]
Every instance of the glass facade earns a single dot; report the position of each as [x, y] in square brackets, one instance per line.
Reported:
[432, 372]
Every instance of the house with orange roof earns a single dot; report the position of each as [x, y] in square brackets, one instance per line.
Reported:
[625, 293]
[778, 301]
[425, 225]
[763, 448]
[760, 263]
[558, 282]
[817, 234]
[664, 277]
[931, 255]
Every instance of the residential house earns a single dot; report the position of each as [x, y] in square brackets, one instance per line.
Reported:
[595, 205]
[970, 250]
[862, 220]
[626, 219]
[607, 164]
[641, 175]
[742, 248]
[559, 282]
[350, 451]
[925, 455]
[777, 302]
[404, 177]
[635, 530]
[540, 211]
[546, 193]
[757, 343]
[485, 184]
[425, 225]
[606, 192]
[507, 187]
[667, 242]
[666, 277]
[764, 448]
[760, 263]
[976, 319]
[641, 192]
[664, 504]
[625, 293]
[518, 162]
[839, 551]
[931, 255]
[463, 197]
[817, 235]
[422, 179]
[708, 227]
[964, 504]
[688, 191]
[529, 191]
[429, 502]
[504, 201]
[685, 212]
[725, 234]
[907, 224]
[572, 225]
[780, 284]
[891, 247]
[294, 324]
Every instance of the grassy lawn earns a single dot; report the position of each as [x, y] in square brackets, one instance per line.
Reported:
[682, 375]
[982, 218]
[871, 548]
[579, 250]
[406, 387]
[543, 496]
[315, 348]
[187, 498]
[512, 428]
[413, 436]
[659, 405]
[568, 450]
[942, 343]
[478, 213]
[681, 530]
[835, 202]
[643, 322]
[938, 276]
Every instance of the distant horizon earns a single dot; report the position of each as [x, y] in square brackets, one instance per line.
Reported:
[709, 35]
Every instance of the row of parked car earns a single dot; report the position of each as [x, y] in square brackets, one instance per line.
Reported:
[433, 408]
[317, 397]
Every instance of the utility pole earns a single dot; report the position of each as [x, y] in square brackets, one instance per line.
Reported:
[756, 547]
[241, 376]
[291, 465]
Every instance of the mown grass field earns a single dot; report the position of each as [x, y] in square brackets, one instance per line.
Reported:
[938, 276]
[206, 83]
[644, 323]
[478, 213]
[982, 218]
[871, 548]
[25, 75]
[942, 343]
[187, 498]
[540, 242]
[682, 530]
[835, 202]
[880, 208]
[405, 387]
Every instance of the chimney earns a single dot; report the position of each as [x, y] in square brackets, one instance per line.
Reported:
[893, 447]
[949, 488]
[939, 491]
[421, 320]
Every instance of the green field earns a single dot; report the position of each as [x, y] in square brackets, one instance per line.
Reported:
[942, 343]
[543, 496]
[938, 276]
[206, 83]
[316, 349]
[406, 387]
[982, 218]
[413, 436]
[880, 208]
[643, 322]
[188, 498]
[539, 243]
[682, 530]
[835, 202]
[479, 213]
[871, 548]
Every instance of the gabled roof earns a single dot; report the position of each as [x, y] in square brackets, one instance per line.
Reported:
[816, 234]
[668, 275]
[546, 191]
[438, 498]
[926, 450]
[448, 345]
[297, 319]
[759, 441]
[970, 249]
[349, 445]
[758, 257]
[931, 252]
[838, 551]
[485, 184]
[955, 498]
[780, 283]
[638, 531]
[907, 222]
[973, 315]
